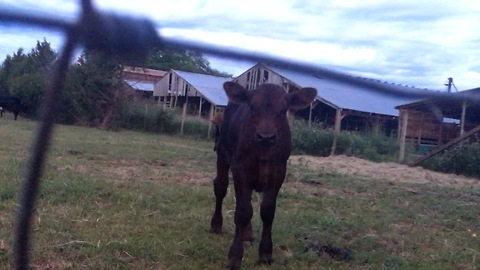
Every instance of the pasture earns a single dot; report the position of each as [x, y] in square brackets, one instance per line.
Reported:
[129, 200]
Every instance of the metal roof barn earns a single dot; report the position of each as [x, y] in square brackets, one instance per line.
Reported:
[440, 121]
[211, 87]
[339, 104]
[348, 96]
[197, 94]
[177, 83]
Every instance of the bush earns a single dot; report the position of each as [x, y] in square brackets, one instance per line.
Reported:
[315, 141]
[463, 159]
[318, 141]
[196, 129]
[150, 118]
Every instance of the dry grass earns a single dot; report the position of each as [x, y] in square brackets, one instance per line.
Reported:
[127, 200]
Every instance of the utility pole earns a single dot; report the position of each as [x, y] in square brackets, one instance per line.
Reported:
[449, 85]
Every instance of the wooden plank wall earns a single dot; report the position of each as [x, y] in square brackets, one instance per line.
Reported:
[423, 127]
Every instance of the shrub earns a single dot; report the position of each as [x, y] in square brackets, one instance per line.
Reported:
[462, 159]
[318, 141]
[312, 141]
[196, 129]
[150, 118]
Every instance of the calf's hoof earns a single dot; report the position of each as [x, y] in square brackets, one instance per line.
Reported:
[266, 260]
[233, 265]
[216, 230]
[216, 225]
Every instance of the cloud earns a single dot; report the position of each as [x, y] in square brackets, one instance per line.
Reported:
[404, 41]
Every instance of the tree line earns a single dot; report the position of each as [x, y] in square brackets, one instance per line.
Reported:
[94, 93]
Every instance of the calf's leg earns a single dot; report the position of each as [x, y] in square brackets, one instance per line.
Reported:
[267, 213]
[275, 176]
[220, 185]
[243, 216]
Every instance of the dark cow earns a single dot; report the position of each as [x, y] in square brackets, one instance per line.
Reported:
[11, 104]
[255, 143]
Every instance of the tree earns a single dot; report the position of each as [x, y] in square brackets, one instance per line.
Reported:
[166, 59]
[94, 93]
[25, 75]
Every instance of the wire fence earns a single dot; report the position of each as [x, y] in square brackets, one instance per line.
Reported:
[126, 37]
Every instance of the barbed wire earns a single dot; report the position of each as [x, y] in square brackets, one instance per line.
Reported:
[128, 37]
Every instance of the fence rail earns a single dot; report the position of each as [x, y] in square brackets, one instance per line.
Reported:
[124, 36]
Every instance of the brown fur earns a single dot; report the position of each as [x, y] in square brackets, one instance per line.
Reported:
[255, 143]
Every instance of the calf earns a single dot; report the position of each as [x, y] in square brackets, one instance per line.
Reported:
[10, 103]
[255, 143]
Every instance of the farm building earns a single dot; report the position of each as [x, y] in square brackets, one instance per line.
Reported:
[198, 94]
[141, 80]
[438, 121]
[342, 105]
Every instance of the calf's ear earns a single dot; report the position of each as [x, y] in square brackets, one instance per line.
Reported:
[301, 98]
[236, 93]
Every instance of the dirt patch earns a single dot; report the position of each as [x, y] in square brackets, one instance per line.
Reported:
[387, 171]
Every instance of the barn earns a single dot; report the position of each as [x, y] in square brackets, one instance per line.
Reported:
[198, 94]
[339, 104]
[141, 80]
[438, 121]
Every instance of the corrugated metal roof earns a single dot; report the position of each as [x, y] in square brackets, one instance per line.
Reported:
[141, 85]
[211, 87]
[349, 96]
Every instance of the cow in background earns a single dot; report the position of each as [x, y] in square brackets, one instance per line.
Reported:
[255, 143]
[10, 103]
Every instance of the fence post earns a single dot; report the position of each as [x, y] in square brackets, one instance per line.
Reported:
[184, 113]
[145, 117]
[336, 133]
[403, 121]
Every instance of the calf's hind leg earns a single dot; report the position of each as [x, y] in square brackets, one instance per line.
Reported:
[220, 185]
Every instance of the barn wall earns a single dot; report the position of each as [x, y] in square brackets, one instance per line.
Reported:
[174, 85]
[426, 128]
[161, 87]
[257, 75]
[423, 127]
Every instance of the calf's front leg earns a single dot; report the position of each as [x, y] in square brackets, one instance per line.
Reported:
[243, 217]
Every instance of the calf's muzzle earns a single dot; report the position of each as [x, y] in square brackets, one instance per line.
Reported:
[266, 139]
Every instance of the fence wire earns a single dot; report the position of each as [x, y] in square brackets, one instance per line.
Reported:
[129, 38]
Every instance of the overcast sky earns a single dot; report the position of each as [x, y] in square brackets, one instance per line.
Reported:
[412, 42]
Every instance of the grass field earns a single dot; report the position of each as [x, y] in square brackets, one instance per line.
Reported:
[128, 200]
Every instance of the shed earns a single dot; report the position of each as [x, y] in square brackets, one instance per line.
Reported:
[198, 94]
[342, 105]
[141, 80]
[437, 121]
[359, 107]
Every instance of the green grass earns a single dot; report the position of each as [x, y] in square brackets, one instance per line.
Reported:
[129, 200]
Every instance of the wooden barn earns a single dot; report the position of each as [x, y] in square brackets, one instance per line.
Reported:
[438, 121]
[339, 104]
[198, 94]
[141, 80]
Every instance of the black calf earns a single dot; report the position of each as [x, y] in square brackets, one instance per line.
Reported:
[11, 104]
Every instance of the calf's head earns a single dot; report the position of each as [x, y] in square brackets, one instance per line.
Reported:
[268, 106]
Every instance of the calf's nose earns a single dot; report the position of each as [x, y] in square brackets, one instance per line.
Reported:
[266, 138]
